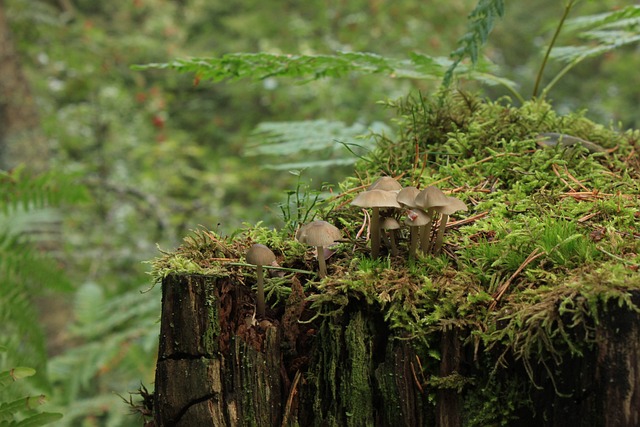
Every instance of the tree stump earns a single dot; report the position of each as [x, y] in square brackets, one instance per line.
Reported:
[218, 366]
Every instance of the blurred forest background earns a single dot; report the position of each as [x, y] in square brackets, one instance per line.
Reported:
[136, 159]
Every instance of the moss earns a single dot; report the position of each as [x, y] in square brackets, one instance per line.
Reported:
[357, 390]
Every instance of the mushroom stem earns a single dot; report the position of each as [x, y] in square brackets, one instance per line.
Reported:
[413, 244]
[260, 305]
[425, 237]
[322, 264]
[375, 232]
[392, 240]
[440, 236]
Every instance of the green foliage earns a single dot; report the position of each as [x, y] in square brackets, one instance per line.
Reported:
[603, 32]
[318, 138]
[118, 336]
[26, 270]
[263, 65]
[20, 191]
[300, 207]
[21, 411]
[480, 23]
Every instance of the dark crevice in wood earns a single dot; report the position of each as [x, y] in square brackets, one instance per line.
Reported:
[185, 356]
[194, 402]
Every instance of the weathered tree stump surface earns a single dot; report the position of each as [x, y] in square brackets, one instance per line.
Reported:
[217, 366]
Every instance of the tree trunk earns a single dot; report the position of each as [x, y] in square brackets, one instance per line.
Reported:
[21, 138]
[217, 366]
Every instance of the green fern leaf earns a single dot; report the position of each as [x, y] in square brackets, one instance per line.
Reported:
[281, 140]
[8, 409]
[7, 377]
[603, 33]
[259, 66]
[626, 16]
[40, 419]
[481, 22]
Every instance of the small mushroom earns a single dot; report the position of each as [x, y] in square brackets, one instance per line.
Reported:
[319, 234]
[376, 199]
[416, 218]
[260, 255]
[453, 205]
[391, 224]
[429, 199]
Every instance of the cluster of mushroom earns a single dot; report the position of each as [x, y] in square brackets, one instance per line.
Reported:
[320, 234]
[388, 202]
[421, 207]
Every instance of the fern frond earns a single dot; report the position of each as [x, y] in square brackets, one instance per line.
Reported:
[293, 139]
[115, 333]
[626, 16]
[259, 66]
[480, 24]
[22, 408]
[18, 190]
[604, 32]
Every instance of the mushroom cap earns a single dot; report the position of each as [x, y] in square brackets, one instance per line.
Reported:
[431, 197]
[417, 218]
[318, 233]
[453, 205]
[376, 199]
[390, 223]
[385, 183]
[407, 196]
[260, 255]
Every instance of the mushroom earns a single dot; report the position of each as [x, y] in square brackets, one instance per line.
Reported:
[375, 199]
[386, 183]
[415, 218]
[407, 198]
[390, 224]
[260, 255]
[429, 199]
[453, 205]
[319, 234]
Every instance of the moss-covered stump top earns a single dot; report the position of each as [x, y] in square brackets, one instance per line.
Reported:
[551, 231]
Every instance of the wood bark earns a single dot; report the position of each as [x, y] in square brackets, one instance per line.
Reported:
[219, 366]
[21, 138]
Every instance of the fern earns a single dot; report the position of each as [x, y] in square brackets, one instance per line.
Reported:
[481, 22]
[278, 140]
[259, 66]
[20, 191]
[604, 32]
[20, 411]
[26, 271]
[119, 336]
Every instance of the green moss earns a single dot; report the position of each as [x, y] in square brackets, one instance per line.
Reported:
[357, 390]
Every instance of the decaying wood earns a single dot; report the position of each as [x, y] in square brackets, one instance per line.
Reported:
[219, 366]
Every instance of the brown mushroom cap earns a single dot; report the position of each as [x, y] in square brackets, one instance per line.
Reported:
[318, 233]
[260, 255]
[453, 205]
[431, 197]
[390, 224]
[376, 199]
[416, 218]
[407, 196]
[385, 183]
